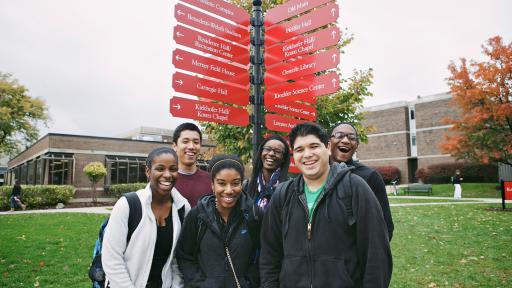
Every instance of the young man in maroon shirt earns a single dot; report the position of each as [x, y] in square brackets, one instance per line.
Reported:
[192, 182]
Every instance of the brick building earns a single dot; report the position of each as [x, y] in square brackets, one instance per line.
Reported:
[407, 134]
[59, 159]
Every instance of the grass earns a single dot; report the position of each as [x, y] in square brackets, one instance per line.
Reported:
[47, 250]
[451, 246]
[433, 246]
[469, 190]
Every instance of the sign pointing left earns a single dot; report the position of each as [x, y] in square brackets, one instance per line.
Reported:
[205, 111]
[209, 67]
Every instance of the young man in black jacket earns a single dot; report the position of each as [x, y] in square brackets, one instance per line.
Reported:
[344, 143]
[324, 228]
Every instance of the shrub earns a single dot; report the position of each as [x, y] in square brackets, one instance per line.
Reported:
[95, 171]
[422, 175]
[388, 173]
[471, 172]
[39, 196]
[118, 190]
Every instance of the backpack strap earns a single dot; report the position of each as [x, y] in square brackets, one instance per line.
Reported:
[135, 213]
[346, 197]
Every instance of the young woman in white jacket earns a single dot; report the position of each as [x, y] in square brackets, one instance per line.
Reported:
[148, 259]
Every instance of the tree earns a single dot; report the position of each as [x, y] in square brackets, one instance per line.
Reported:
[482, 128]
[345, 105]
[95, 171]
[19, 116]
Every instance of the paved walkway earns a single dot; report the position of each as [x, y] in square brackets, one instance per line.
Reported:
[456, 202]
[108, 209]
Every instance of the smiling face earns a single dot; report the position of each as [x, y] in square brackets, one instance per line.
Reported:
[187, 147]
[311, 157]
[343, 143]
[272, 155]
[227, 186]
[162, 174]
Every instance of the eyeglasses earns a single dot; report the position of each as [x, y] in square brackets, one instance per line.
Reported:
[276, 151]
[341, 135]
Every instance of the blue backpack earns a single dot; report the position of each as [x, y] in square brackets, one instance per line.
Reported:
[96, 272]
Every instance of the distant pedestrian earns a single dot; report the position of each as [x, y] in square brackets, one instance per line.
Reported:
[457, 180]
[15, 198]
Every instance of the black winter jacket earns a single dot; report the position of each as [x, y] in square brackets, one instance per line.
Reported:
[374, 180]
[341, 249]
[205, 264]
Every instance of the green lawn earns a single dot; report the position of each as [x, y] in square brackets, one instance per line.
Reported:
[452, 246]
[47, 250]
[469, 190]
[433, 246]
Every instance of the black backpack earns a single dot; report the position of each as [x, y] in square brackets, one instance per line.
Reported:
[96, 273]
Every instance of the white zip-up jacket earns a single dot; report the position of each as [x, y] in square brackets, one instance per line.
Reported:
[129, 266]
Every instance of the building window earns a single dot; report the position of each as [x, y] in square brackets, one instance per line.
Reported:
[412, 114]
[125, 169]
[413, 140]
[60, 168]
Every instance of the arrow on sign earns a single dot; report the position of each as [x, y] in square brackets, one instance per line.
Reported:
[209, 89]
[210, 67]
[202, 21]
[212, 45]
[211, 112]
[178, 58]
[307, 22]
[301, 45]
[223, 9]
[304, 66]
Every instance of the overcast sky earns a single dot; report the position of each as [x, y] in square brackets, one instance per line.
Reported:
[104, 67]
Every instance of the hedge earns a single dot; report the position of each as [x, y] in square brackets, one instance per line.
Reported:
[38, 196]
[388, 173]
[118, 190]
[471, 172]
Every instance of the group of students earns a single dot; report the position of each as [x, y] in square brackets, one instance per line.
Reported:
[327, 227]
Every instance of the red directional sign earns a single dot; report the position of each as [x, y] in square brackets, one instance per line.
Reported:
[293, 168]
[294, 109]
[202, 21]
[223, 9]
[206, 66]
[302, 44]
[209, 44]
[302, 88]
[307, 22]
[304, 66]
[290, 9]
[279, 123]
[204, 111]
[205, 88]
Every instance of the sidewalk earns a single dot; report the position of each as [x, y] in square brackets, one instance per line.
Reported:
[108, 209]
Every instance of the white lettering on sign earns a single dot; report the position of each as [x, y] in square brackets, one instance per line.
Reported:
[199, 64]
[281, 124]
[316, 87]
[214, 26]
[206, 88]
[298, 6]
[292, 109]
